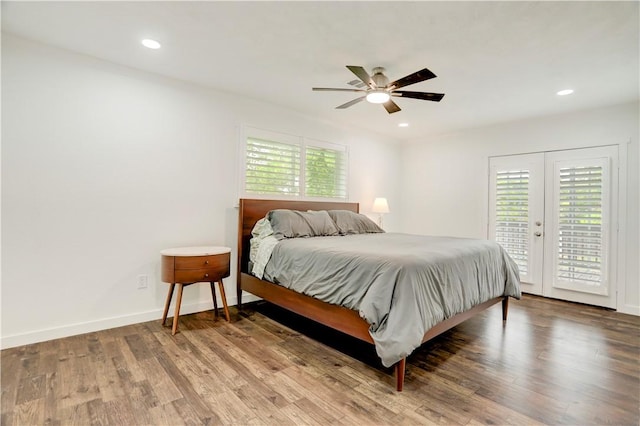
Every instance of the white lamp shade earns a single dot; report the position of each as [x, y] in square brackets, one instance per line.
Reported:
[380, 205]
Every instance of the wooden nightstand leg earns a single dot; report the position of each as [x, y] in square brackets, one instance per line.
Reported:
[215, 301]
[224, 300]
[177, 313]
[167, 303]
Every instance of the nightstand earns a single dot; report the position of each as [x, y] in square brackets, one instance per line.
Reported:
[184, 266]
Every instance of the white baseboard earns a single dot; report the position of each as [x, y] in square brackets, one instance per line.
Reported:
[106, 323]
[629, 309]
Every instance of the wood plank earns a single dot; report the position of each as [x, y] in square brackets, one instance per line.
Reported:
[262, 335]
[9, 379]
[165, 414]
[301, 416]
[189, 414]
[163, 387]
[272, 418]
[229, 408]
[29, 412]
[30, 388]
[187, 389]
[271, 360]
[137, 346]
[326, 398]
[76, 414]
[257, 401]
[202, 371]
[76, 382]
[323, 417]
[120, 412]
[528, 402]
[371, 386]
[51, 401]
[109, 382]
[350, 404]
[129, 359]
[226, 373]
[97, 413]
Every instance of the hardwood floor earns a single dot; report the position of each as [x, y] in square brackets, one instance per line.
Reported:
[553, 363]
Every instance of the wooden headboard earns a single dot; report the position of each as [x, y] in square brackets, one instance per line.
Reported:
[251, 211]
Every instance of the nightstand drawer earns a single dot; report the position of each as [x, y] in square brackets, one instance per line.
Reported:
[198, 275]
[192, 269]
[200, 262]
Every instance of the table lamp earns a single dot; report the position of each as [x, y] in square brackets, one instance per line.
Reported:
[381, 207]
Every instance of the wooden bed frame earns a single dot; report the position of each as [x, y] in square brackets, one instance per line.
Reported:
[339, 318]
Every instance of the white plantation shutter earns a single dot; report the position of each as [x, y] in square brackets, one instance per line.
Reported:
[325, 172]
[276, 164]
[581, 214]
[512, 215]
[272, 167]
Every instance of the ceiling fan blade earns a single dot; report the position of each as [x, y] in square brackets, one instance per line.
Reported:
[353, 102]
[425, 96]
[362, 75]
[391, 106]
[329, 89]
[416, 77]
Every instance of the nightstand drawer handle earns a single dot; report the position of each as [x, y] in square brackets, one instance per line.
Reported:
[206, 262]
[206, 275]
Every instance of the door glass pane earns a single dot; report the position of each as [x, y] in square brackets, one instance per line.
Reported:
[512, 215]
[580, 225]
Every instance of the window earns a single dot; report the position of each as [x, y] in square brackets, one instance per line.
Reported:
[276, 164]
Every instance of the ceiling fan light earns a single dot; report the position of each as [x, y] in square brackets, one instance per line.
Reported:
[378, 97]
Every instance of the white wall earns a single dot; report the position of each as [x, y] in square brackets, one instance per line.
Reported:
[445, 178]
[103, 166]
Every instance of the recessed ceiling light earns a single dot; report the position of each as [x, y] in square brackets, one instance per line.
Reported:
[151, 44]
[403, 124]
[565, 92]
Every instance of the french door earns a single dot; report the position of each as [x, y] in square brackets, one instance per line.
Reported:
[553, 213]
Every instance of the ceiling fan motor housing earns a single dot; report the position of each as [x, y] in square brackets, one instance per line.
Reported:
[379, 78]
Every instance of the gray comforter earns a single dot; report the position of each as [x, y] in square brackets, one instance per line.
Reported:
[401, 284]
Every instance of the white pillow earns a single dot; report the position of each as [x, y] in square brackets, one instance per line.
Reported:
[261, 230]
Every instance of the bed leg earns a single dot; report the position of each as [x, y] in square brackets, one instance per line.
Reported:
[400, 367]
[505, 308]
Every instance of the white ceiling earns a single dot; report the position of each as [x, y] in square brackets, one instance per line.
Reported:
[495, 61]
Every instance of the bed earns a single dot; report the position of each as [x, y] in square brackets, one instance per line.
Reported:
[338, 317]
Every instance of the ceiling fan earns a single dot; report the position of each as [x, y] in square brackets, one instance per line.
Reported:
[379, 91]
